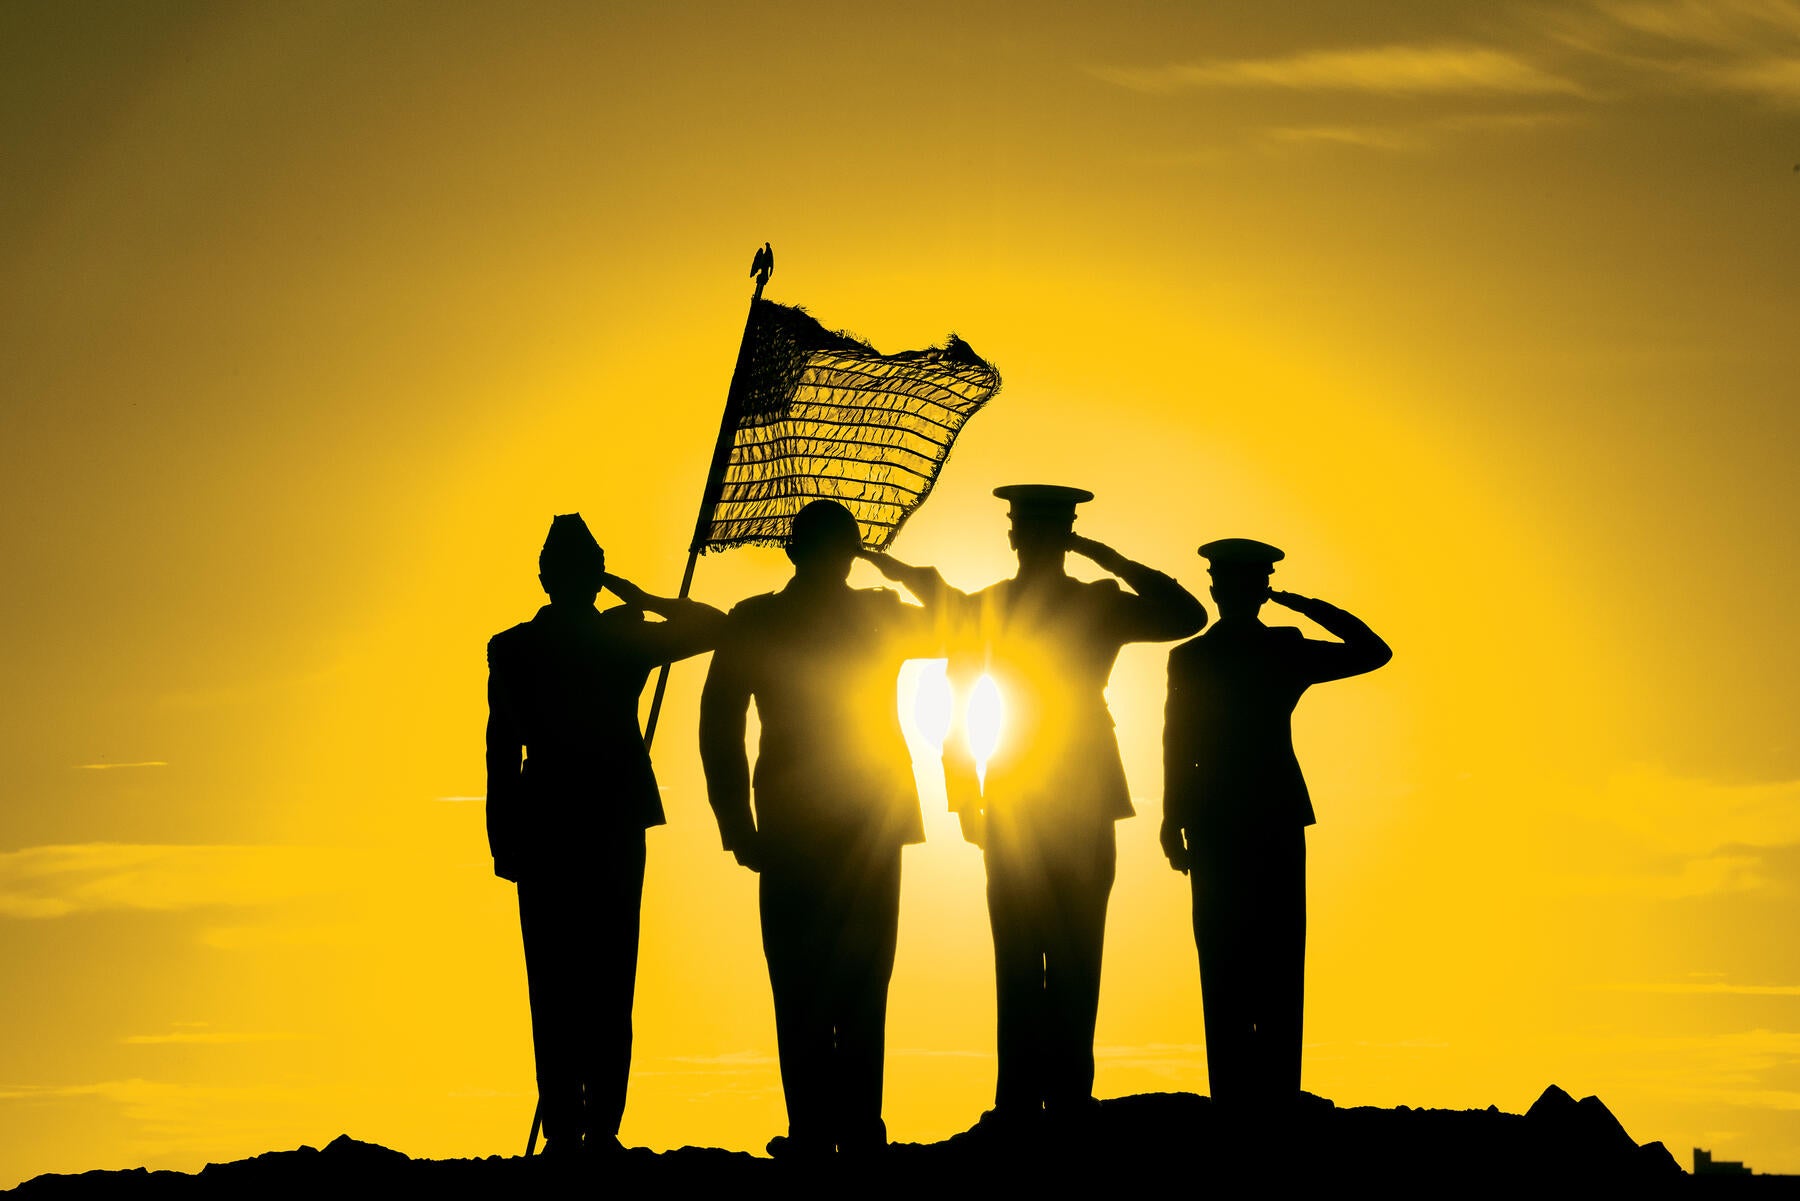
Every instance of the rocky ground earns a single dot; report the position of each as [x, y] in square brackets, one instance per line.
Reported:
[1151, 1143]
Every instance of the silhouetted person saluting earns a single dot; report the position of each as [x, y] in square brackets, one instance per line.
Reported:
[835, 802]
[1053, 790]
[1235, 812]
[567, 823]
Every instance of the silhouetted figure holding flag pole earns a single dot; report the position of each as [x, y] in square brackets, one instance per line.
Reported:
[826, 446]
[570, 793]
[835, 800]
[1236, 808]
[1053, 790]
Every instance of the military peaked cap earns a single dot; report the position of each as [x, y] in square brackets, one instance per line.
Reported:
[1241, 554]
[1043, 501]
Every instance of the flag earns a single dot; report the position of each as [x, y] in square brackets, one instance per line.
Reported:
[816, 415]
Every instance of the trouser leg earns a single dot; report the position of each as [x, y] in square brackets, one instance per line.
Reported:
[1250, 928]
[1074, 949]
[866, 966]
[549, 924]
[617, 891]
[798, 980]
[1280, 1003]
[1014, 914]
[1222, 936]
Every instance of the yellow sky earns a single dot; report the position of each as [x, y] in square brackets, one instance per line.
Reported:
[312, 316]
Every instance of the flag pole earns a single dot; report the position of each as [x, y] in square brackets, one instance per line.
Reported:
[762, 267]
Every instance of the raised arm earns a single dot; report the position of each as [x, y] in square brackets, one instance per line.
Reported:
[1161, 611]
[942, 609]
[724, 709]
[505, 750]
[689, 627]
[925, 583]
[1360, 651]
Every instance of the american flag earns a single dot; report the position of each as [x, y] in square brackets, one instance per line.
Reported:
[813, 415]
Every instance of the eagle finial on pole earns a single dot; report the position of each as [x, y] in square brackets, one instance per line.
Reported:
[762, 267]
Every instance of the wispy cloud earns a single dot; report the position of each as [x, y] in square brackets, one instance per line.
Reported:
[1748, 47]
[1742, 1068]
[1704, 816]
[1675, 878]
[253, 937]
[55, 881]
[1414, 136]
[204, 1038]
[1715, 988]
[170, 1117]
[1398, 70]
[1771, 78]
[1741, 25]
[458, 799]
[1365, 137]
[741, 1067]
[116, 766]
[730, 1059]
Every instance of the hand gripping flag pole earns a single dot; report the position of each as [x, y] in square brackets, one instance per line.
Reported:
[812, 414]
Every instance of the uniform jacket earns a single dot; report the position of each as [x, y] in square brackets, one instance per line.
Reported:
[1050, 648]
[1228, 749]
[831, 762]
[566, 760]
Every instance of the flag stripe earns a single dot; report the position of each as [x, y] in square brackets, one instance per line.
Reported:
[820, 456]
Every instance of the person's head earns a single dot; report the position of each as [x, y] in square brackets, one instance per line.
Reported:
[1240, 569]
[571, 566]
[825, 540]
[1043, 517]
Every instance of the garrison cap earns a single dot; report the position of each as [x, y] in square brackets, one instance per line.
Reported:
[1241, 554]
[570, 547]
[1044, 502]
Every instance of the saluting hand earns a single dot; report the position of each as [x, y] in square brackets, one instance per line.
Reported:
[1306, 606]
[885, 563]
[1102, 555]
[625, 590]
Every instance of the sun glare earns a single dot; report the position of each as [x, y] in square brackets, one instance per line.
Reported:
[987, 713]
[933, 710]
[933, 702]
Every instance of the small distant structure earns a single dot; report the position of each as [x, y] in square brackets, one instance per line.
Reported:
[1706, 1165]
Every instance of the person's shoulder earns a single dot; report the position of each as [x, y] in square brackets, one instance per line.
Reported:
[994, 590]
[1198, 653]
[753, 608]
[1104, 591]
[508, 641]
[1286, 634]
[1189, 651]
